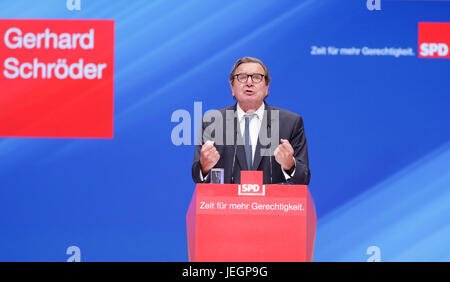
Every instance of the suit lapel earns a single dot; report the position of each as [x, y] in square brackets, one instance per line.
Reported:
[239, 142]
[240, 153]
[258, 157]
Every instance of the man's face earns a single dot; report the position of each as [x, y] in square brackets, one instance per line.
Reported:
[249, 94]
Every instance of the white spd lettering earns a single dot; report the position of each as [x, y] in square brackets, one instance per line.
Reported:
[432, 49]
[250, 188]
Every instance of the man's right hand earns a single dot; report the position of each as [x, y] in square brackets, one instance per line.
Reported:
[208, 157]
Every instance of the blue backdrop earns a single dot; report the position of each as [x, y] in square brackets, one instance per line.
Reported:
[378, 129]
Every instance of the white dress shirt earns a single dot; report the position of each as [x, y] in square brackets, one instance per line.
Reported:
[254, 127]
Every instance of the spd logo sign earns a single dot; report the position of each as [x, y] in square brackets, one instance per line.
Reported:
[251, 184]
[434, 40]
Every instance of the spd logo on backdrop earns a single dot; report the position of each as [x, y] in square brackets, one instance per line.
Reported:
[56, 78]
[434, 40]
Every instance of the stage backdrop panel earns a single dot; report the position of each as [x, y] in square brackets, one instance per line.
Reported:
[107, 183]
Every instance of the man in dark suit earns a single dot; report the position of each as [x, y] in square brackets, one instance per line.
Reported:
[252, 135]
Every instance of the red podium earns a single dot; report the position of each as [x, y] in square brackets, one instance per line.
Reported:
[251, 222]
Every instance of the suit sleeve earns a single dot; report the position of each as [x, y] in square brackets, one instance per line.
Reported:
[302, 173]
[196, 169]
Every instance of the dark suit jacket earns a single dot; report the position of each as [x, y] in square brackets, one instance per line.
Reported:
[290, 128]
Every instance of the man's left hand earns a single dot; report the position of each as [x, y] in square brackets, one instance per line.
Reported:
[284, 155]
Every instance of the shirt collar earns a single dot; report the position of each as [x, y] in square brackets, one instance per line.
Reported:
[259, 112]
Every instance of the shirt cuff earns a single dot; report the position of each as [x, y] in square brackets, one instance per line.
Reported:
[202, 179]
[286, 176]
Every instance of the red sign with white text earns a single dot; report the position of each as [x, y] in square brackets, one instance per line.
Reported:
[251, 183]
[56, 78]
[434, 40]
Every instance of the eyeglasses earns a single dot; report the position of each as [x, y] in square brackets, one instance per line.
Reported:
[243, 77]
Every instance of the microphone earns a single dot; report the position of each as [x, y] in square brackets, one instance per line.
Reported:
[234, 154]
[269, 132]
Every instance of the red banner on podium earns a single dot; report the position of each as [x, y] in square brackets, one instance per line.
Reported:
[277, 225]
